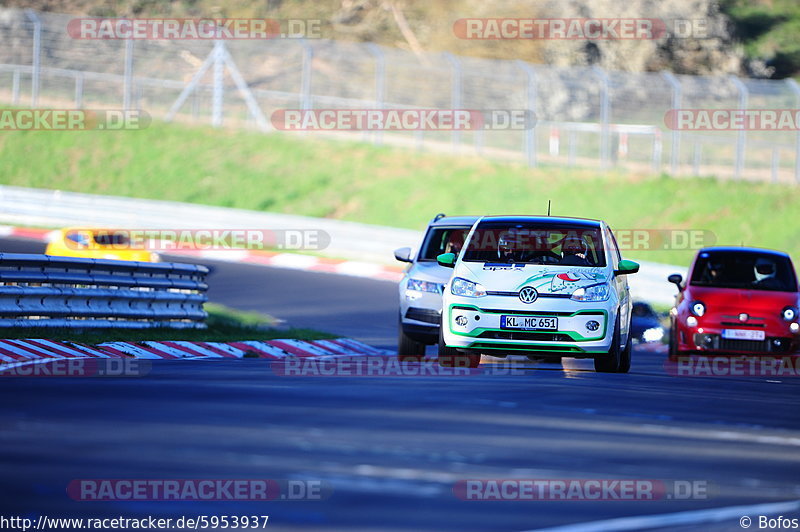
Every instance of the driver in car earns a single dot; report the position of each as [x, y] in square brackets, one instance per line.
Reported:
[574, 252]
[764, 272]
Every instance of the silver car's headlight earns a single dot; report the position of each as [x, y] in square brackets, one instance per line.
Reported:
[462, 287]
[596, 292]
[423, 286]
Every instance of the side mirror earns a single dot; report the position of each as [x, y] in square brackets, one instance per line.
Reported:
[448, 260]
[676, 279]
[403, 254]
[627, 267]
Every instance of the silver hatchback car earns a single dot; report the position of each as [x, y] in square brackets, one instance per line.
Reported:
[421, 286]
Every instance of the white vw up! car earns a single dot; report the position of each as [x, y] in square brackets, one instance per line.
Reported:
[539, 286]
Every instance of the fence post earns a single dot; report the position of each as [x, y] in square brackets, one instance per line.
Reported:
[605, 110]
[658, 149]
[380, 83]
[776, 163]
[741, 138]
[572, 135]
[218, 96]
[456, 93]
[37, 55]
[796, 90]
[677, 102]
[128, 75]
[305, 82]
[79, 90]
[530, 134]
[15, 87]
[698, 155]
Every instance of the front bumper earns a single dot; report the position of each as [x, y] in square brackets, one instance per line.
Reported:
[707, 337]
[480, 328]
[420, 315]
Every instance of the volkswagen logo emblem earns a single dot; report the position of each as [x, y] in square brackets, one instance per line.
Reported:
[528, 294]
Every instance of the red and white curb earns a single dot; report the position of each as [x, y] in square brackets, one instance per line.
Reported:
[16, 352]
[293, 261]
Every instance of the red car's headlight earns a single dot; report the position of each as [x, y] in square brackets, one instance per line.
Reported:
[697, 308]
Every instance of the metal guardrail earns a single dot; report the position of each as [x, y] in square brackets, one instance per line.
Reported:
[49, 291]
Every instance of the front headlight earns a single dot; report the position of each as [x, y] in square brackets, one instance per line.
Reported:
[789, 313]
[462, 287]
[596, 292]
[698, 308]
[423, 286]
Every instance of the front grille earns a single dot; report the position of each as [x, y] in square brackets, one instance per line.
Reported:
[740, 324]
[736, 318]
[516, 294]
[716, 342]
[526, 335]
[423, 314]
[530, 312]
[755, 346]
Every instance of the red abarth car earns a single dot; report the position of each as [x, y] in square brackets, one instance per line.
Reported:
[736, 300]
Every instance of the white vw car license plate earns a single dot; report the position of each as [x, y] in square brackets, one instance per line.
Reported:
[528, 323]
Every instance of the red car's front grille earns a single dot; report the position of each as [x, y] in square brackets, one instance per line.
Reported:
[717, 343]
[754, 346]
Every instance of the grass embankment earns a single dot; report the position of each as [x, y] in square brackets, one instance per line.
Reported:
[388, 186]
[224, 325]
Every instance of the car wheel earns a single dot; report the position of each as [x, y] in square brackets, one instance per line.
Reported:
[625, 356]
[453, 358]
[609, 362]
[408, 349]
[673, 342]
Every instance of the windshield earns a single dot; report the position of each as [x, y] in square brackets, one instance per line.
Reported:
[744, 269]
[565, 245]
[443, 240]
[111, 239]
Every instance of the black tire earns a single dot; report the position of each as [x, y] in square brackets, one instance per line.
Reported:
[673, 343]
[609, 363]
[453, 358]
[409, 350]
[625, 356]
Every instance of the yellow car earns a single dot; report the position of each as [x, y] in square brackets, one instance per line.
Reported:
[97, 244]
